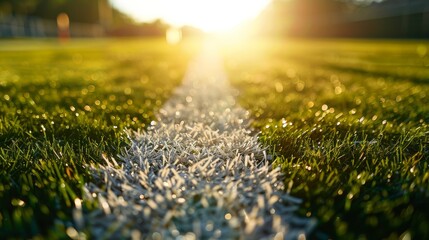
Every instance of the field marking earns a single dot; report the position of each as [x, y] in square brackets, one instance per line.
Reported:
[196, 173]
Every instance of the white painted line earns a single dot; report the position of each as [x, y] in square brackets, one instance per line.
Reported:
[196, 173]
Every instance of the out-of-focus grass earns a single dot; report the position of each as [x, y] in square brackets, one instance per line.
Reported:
[347, 121]
[62, 107]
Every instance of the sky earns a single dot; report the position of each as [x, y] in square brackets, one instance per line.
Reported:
[208, 15]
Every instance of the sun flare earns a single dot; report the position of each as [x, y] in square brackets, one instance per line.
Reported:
[208, 15]
[214, 15]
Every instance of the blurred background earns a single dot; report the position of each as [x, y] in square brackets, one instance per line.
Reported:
[280, 18]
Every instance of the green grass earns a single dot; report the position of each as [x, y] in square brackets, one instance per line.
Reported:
[62, 107]
[348, 122]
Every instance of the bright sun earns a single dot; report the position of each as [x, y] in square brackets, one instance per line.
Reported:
[208, 15]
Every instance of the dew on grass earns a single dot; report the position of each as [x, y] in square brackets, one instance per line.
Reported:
[127, 91]
[338, 90]
[209, 226]
[72, 233]
[300, 86]
[316, 114]
[17, 202]
[338, 115]
[91, 88]
[279, 87]
[398, 98]
[324, 107]
[358, 101]
[301, 236]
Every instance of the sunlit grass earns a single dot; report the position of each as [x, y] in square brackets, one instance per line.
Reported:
[347, 121]
[62, 107]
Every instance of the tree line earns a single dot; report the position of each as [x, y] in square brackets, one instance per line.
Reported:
[83, 11]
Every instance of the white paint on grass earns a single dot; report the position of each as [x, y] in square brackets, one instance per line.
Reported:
[196, 173]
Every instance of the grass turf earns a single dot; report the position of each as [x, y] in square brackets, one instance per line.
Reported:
[62, 107]
[347, 121]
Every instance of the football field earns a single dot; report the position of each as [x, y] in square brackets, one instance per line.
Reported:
[345, 121]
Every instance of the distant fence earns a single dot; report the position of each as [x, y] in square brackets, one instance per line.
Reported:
[27, 26]
[387, 19]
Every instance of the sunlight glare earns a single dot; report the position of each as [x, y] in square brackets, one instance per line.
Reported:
[208, 15]
[173, 35]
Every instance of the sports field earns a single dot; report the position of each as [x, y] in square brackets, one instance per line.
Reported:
[63, 106]
[346, 121]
